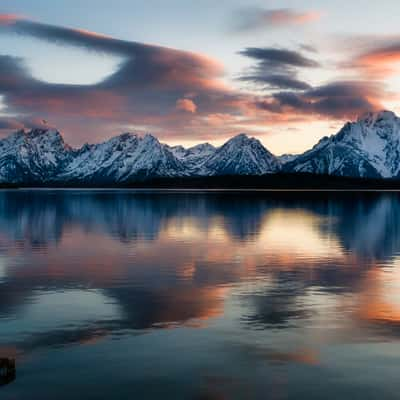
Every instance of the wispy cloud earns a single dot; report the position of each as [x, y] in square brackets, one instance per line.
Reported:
[380, 61]
[274, 57]
[252, 18]
[176, 93]
[338, 99]
[151, 87]
[276, 68]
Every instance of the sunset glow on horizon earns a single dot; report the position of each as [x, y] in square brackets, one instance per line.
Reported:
[287, 75]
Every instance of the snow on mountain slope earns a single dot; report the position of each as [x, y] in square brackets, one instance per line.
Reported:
[285, 158]
[369, 147]
[194, 157]
[35, 156]
[124, 158]
[241, 155]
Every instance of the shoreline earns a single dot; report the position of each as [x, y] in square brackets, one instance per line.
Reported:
[302, 182]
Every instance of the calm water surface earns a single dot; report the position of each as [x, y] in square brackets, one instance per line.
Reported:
[183, 295]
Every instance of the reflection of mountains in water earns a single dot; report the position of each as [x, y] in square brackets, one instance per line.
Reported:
[150, 289]
[363, 223]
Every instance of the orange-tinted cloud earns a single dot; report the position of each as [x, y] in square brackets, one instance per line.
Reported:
[8, 19]
[288, 17]
[379, 62]
[93, 34]
[186, 105]
[260, 18]
[171, 92]
[151, 87]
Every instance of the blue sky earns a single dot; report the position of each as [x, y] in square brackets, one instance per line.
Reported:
[346, 39]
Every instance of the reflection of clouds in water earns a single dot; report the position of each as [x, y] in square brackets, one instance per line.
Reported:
[298, 232]
[379, 302]
[305, 356]
[138, 310]
[54, 310]
[170, 260]
[308, 226]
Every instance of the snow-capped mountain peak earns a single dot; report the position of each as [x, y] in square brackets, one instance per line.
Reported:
[240, 138]
[42, 157]
[369, 147]
[124, 158]
[241, 155]
[32, 155]
[371, 118]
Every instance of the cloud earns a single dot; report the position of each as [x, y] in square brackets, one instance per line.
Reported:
[149, 88]
[186, 105]
[380, 61]
[275, 57]
[142, 60]
[169, 92]
[308, 47]
[276, 71]
[340, 99]
[13, 74]
[276, 68]
[9, 123]
[253, 18]
[8, 19]
[272, 81]
[374, 56]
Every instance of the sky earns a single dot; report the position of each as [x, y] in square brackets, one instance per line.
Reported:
[286, 72]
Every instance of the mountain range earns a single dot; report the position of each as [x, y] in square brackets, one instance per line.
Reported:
[366, 148]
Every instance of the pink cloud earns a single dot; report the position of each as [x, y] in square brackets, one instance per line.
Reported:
[186, 105]
[171, 92]
[253, 18]
[8, 19]
[379, 63]
[290, 17]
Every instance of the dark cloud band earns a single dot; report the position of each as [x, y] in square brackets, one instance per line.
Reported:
[335, 100]
[277, 68]
[144, 90]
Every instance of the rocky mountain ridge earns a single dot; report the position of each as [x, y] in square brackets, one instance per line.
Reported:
[366, 148]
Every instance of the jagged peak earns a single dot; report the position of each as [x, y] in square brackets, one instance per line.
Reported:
[240, 136]
[38, 135]
[41, 131]
[242, 139]
[148, 137]
[372, 117]
[202, 146]
[126, 135]
[37, 132]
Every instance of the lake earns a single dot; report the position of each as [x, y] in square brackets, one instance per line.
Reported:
[118, 294]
